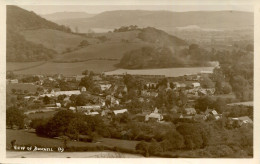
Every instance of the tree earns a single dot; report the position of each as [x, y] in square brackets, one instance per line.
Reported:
[46, 100]
[61, 98]
[207, 83]
[87, 82]
[204, 102]
[14, 116]
[85, 72]
[240, 86]
[13, 91]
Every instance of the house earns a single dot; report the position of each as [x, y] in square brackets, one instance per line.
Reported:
[104, 87]
[58, 105]
[195, 85]
[83, 89]
[154, 116]
[79, 77]
[89, 107]
[67, 93]
[120, 111]
[190, 111]
[199, 117]
[96, 78]
[12, 81]
[151, 85]
[91, 113]
[72, 108]
[185, 117]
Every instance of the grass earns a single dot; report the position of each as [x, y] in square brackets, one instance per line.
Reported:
[15, 66]
[53, 39]
[24, 137]
[106, 50]
[30, 87]
[77, 68]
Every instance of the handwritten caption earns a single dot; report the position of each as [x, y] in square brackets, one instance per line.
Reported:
[35, 148]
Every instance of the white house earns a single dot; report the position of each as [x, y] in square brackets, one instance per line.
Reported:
[156, 116]
[120, 111]
[195, 85]
[190, 111]
[58, 105]
[72, 108]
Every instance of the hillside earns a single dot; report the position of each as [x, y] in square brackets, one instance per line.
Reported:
[164, 57]
[18, 47]
[165, 20]
[66, 15]
[160, 37]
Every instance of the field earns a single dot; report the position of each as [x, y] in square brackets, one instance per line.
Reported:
[168, 72]
[16, 66]
[107, 50]
[70, 68]
[30, 87]
[53, 39]
[24, 137]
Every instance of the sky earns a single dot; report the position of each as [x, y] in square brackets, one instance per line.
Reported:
[47, 9]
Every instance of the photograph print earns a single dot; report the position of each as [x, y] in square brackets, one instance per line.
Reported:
[111, 81]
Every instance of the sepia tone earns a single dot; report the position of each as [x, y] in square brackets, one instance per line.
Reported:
[129, 82]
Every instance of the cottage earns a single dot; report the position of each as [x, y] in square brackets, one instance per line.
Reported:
[104, 87]
[89, 107]
[67, 93]
[58, 105]
[190, 111]
[154, 116]
[91, 113]
[83, 89]
[79, 77]
[12, 81]
[120, 111]
[195, 85]
[72, 108]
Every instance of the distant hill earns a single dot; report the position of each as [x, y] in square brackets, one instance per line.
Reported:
[66, 15]
[165, 20]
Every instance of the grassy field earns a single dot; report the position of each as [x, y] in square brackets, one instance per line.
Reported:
[30, 87]
[15, 66]
[107, 50]
[24, 137]
[53, 39]
[71, 68]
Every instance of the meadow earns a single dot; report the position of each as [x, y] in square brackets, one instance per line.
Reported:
[68, 69]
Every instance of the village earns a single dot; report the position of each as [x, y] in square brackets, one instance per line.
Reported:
[109, 96]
